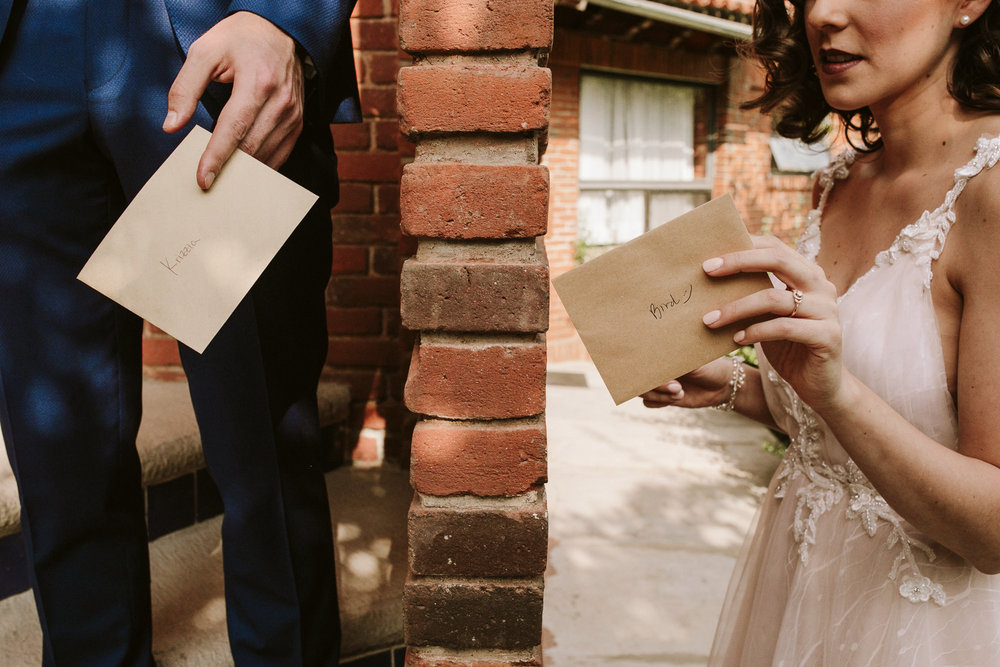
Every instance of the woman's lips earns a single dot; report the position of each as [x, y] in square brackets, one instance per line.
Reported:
[835, 62]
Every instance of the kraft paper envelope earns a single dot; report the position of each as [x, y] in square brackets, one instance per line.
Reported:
[638, 308]
[182, 258]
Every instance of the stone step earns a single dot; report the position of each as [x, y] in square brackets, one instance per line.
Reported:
[168, 442]
[189, 618]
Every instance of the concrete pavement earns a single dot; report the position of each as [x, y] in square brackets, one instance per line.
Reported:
[648, 509]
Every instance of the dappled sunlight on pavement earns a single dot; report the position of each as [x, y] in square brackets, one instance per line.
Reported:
[648, 510]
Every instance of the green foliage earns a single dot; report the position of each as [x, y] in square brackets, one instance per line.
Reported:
[778, 446]
[749, 354]
[580, 247]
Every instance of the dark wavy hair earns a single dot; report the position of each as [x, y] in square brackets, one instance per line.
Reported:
[791, 86]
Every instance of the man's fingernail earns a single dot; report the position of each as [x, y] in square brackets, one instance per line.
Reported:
[209, 179]
[710, 265]
[171, 119]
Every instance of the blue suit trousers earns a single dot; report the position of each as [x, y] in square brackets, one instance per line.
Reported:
[83, 89]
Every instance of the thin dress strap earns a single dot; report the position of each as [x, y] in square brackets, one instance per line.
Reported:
[987, 154]
[926, 237]
[837, 170]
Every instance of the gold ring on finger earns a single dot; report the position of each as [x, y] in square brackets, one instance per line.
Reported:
[796, 300]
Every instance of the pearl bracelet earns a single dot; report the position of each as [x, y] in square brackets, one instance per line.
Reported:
[735, 384]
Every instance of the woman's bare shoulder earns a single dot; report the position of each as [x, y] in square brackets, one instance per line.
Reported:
[973, 246]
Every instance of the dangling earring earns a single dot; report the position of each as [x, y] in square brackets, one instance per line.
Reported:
[965, 20]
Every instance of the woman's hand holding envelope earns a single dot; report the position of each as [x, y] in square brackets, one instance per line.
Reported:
[802, 339]
[798, 329]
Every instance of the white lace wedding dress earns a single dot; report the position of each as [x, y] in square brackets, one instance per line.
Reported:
[831, 575]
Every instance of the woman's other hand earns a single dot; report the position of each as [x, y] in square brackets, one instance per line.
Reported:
[701, 388]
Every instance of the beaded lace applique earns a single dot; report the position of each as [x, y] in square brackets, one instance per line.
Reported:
[924, 238]
[828, 485]
[837, 170]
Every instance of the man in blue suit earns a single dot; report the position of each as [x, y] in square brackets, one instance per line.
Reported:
[94, 94]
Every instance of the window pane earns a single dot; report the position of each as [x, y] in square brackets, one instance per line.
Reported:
[791, 155]
[610, 217]
[635, 130]
[665, 206]
[596, 121]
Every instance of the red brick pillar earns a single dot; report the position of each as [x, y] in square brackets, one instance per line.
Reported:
[476, 103]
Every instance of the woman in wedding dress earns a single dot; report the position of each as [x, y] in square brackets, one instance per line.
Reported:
[878, 542]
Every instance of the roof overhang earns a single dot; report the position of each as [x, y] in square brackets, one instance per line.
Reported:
[677, 16]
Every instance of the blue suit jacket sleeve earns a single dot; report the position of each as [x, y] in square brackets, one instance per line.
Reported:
[321, 27]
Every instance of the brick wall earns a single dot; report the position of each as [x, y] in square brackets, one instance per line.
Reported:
[368, 348]
[476, 104]
[563, 161]
[770, 203]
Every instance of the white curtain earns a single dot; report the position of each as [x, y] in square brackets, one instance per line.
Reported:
[630, 130]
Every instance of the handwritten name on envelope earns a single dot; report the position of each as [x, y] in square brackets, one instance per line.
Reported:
[638, 308]
[182, 258]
